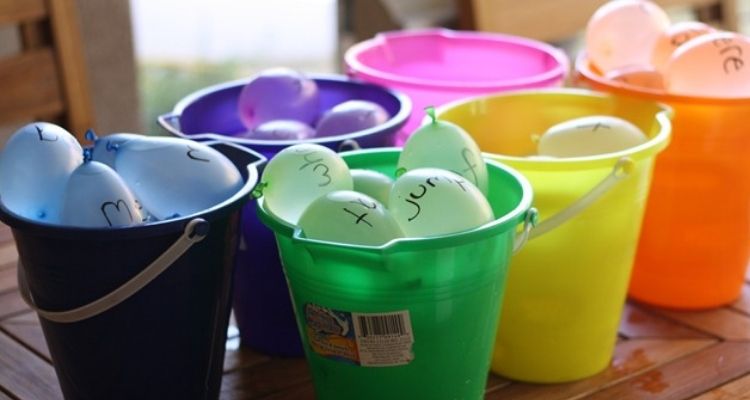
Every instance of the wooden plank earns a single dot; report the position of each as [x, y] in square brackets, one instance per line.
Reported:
[631, 358]
[24, 374]
[722, 322]
[11, 304]
[241, 357]
[736, 390]
[8, 253]
[686, 377]
[640, 323]
[8, 280]
[21, 10]
[743, 303]
[265, 379]
[30, 86]
[304, 391]
[6, 235]
[70, 59]
[25, 328]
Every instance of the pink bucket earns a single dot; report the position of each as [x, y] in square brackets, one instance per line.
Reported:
[437, 66]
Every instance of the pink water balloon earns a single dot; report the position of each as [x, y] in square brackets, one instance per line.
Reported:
[624, 32]
[638, 76]
[281, 129]
[674, 37]
[712, 65]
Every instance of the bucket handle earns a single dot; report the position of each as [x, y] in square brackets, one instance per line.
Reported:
[348, 145]
[621, 170]
[195, 231]
[529, 222]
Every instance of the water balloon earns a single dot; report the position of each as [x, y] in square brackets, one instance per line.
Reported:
[299, 174]
[432, 201]
[281, 129]
[711, 65]
[638, 76]
[592, 135]
[34, 168]
[278, 93]
[623, 32]
[176, 177]
[95, 196]
[373, 184]
[442, 144]
[351, 116]
[675, 36]
[345, 216]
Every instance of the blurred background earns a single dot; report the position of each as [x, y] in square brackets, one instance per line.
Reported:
[140, 57]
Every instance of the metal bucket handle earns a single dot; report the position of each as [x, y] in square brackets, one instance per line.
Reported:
[195, 231]
[621, 170]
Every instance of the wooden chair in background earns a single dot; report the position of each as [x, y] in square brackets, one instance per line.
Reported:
[46, 78]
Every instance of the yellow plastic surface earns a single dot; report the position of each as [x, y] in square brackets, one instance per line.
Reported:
[566, 288]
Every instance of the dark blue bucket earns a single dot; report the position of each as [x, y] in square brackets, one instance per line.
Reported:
[262, 305]
[138, 312]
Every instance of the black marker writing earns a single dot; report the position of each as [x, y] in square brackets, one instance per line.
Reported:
[468, 157]
[360, 217]
[594, 127]
[191, 154]
[107, 206]
[419, 209]
[733, 61]
[50, 137]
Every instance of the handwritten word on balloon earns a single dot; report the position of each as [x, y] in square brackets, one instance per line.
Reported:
[346, 216]
[432, 201]
[300, 174]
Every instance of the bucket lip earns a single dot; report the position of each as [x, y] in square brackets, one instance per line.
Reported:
[559, 72]
[393, 123]
[395, 245]
[654, 145]
[584, 69]
[157, 228]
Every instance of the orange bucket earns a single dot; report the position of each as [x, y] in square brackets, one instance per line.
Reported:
[695, 240]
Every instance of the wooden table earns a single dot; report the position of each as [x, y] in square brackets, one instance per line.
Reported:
[660, 355]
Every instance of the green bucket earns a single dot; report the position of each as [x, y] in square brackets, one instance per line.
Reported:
[414, 318]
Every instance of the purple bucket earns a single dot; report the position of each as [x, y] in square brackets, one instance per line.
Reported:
[261, 302]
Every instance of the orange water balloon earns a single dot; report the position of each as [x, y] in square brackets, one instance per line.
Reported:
[623, 32]
[638, 76]
[712, 65]
[674, 37]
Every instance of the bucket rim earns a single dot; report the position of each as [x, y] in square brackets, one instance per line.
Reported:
[585, 71]
[152, 229]
[653, 146]
[559, 72]
[394, 122]
[502, 223]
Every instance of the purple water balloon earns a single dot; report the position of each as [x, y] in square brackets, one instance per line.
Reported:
[278, 93]
[351, 116]
[281, 129]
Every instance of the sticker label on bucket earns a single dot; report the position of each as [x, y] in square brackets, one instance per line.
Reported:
[384, 340]
[369, 340]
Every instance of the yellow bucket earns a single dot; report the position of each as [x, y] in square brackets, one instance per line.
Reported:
[566, 288]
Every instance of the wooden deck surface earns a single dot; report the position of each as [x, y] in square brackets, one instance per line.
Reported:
[660, 355]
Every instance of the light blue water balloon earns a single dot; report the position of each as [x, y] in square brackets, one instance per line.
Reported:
[97, 197]
[105, 147]
[34, 168]
[176, 177]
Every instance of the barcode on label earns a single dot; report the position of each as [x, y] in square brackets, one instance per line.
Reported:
[382, 325]
[383, 339]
